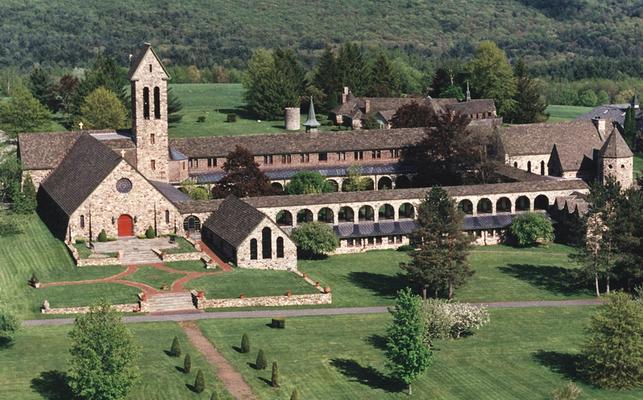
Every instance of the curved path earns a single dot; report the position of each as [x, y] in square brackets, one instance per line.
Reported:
[307, 312]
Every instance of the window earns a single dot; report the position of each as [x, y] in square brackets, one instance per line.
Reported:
[183, 164]
[350, 242]
[157, 103]
[146, 103]
[371, 240]
[305, 157]
[82, 222]
[266, 243]
[194, 162]
[528, 166]
[395, 153]
[212, 162]
[323, 156]
[153, 165]
[378, 240]
[286, 158]
[152, 138]
[267, 159]
[376, 154]
[253, 249]
[280, 247]
[167, 216]
[150, 67]
[341, 156]
[358, 155]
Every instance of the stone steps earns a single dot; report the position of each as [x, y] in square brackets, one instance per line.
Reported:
[139, 257]
[165, 302]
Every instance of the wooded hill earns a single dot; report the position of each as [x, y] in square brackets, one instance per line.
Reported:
[565, 38]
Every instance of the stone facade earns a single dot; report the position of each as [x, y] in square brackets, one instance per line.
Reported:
[149, 117]
[534, 163]
[622, 169]
[289, 259]
[144, 203]
[125, 308]
[266, 301]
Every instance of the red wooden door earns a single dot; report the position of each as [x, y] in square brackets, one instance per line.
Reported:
[125, 225]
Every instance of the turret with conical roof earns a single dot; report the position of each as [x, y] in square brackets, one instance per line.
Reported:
[311, 123]
[616, 160]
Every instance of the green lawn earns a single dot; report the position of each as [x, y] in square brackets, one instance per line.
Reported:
[565, 113]
[521, 354]
[183, 247]
[83, 295]
[33, 368]
[153, 277]
[638, 164]
[188, 266]
[501, 273]
[251, 283]
[215, 101]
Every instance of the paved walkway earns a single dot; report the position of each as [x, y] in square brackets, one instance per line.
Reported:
[224, 265]
[230, 377]
[306, 312]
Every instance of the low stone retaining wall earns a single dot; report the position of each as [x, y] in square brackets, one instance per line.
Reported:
[264, 301]
[87, 262]
[126, 308]
[195, 256]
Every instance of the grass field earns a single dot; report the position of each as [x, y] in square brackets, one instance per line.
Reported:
[565, 113]
[502, 273]
[638, 164]
[34, 366]
[251, 283]
[215, 101]
[153, 277]
[521, 354]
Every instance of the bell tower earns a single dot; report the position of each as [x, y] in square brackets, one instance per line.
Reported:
[616, 160]
[148, 79]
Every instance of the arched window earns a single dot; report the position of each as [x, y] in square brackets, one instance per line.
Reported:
[515, 164]
[304, 215]
[167, 216]
[522, 203]
[82, 222]
[280, 247]
[528, 166]
[386, 211]
[542, 167]
[157, 103]
[384, 183]
[466, 206]
[346, 214]
[326, 215]
[253, 249]
[503, 205]
[407, 211]
[146, 103]
[366, 213]
[191, 224]
[541, 202]
[284, 218]
[266, 243]
[485, 206]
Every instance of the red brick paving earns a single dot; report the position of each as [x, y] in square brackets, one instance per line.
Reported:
[224, 265]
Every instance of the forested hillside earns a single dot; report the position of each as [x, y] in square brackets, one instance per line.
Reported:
[570, 39]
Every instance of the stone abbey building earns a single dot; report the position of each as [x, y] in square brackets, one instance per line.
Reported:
[124, 182]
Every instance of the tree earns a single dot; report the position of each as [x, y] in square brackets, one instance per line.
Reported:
[406, 347]
[449, 74]
[199, 382]
[566, 392]
[492, 77]
[102, 109]
[315, 238]
[352, 70]
[587, 98]
[306, 182]
[245, 343]
[453, 91]
[10, 172]
[441, 260]
[614, 345]
[66, 89]
[243, 177]
[261, 362]
[530, 103]
[532, 228]
[187, 364]
[174, 107]
[195, 192]
[24, 199]
[274, 379]
[629, 127]
[326, 79]
[354, 181]
[23, 113]
[9, 325]
[42, 88]
[103, 356]
[413, 115]
[383, 81]
[175, 350]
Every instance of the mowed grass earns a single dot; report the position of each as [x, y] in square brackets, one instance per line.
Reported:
[638, 164]
[502, 273]
[215, 101]
[565, 113]
[251, 283]
[34, 366]
[521, 354]
[153, 277]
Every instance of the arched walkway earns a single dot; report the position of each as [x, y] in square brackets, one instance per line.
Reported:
[370, 185]
[406, 211]
[277, 187]
[191, 224]
[466, 206]
[326, 215]
[304, 215]
[333, 184]
[346, 214]
[541, 202]
[485, 206]
[366, 213]
[386, 211]
[503, 205]
[284, 218]
[384, 183]
[522, 203]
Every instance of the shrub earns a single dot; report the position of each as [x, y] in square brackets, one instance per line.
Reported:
[294, 395]
[199, 382]
[187, 364]
[566, 392]
[33, 281]
[9, 325]
[24, 198]
[200, 119]
[274, 380]
[245, 343]
[315, 238]
[452, 319]
[532, 228]
[261, 362]
[150, 233]
[231, 117]
[9, 228]
[102, 236]
[279, 323]
[175, 350]
[215, 395]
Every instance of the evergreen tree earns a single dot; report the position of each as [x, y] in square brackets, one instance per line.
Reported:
[274, 380]
[23, 113]
[629, 127]
[102, 110]
[441, 260]
[187, 364]
[65, 95]
[442, 79]
[103, 364]
[530, 103]
[199, 382]
[454, 92]
[42, 88]
[24, 198]
[352, 70]
[291, 77]
[406, 347]
[326, 79]
[261, 362]
[492, 77]
[383, 81]
[243, 177]
[174, 107]
[614, 346]
[245, 343]
[175, 350]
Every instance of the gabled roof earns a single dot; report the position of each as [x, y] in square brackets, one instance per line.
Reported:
[615, 146]
[138, 57]
[86, 165]
[234, 220]
[473, 106]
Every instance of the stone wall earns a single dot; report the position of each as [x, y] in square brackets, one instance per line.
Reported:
[194, 256]
[125, 308]
[622, 169]
[266, 301]
[87, 262]
[288, 261]
[522, 162]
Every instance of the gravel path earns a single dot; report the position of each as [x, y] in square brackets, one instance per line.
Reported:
[305, 312]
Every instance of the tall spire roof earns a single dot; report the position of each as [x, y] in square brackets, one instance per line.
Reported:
[311, 122]
[468, 92]
[615, 146]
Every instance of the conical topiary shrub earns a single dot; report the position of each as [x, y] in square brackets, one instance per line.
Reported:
[245, 343]
[187, 364]
[199, 382]
[261, 362]
[175, 350]
[274, 381]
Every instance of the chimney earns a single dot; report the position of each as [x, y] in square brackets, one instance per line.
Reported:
[599, 123]
[345, 94]
[367, 106]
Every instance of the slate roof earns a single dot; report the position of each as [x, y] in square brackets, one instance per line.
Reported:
[574, 202]
[614, 112]
[472, 106]
[283, 143]
[531, 139]
[86, 165]
[171, 193]
[519, 175]
[482, 222]
[369, 228]
[177, 155]
[615, 146]
[234, 220]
